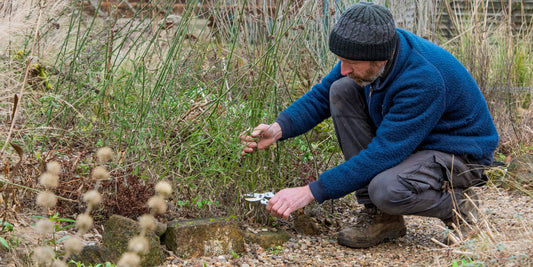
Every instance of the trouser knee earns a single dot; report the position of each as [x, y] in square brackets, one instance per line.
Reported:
[384, 194]
[349, 112]
[346, 97]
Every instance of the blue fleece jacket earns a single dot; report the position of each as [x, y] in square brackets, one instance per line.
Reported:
[427, 101]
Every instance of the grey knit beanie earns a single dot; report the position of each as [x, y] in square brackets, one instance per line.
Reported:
[365, 31]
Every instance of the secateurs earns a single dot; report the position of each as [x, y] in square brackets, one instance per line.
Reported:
[263, 198]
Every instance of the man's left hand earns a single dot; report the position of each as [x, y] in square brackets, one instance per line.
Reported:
[288, 200]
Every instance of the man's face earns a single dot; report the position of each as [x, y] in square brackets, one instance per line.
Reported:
[362, 72]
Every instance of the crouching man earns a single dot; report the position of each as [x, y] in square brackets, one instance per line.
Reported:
[412, 124]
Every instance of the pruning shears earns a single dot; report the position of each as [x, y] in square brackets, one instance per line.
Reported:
[262, 198]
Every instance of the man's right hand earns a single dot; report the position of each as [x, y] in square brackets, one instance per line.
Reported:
[262, 136]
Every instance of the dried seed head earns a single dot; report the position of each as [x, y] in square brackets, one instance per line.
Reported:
[92, 197]
[43, 255]
[59, 263]
[129, 259]
[147, 222]
[164, 189]
[46, 199]
[49, 180]
[53, 167]
[139, 244]
[84, 222]
[73, 245]
[105, 154]
[157, 204]
[44, 226]
[100, 173]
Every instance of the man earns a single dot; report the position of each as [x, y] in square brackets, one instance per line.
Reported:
[411, 122]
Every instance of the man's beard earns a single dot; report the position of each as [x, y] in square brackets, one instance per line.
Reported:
[370, 77]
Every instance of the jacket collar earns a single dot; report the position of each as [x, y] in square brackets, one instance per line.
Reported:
[379, 83]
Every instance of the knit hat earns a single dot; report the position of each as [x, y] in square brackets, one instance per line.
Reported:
[365, 31]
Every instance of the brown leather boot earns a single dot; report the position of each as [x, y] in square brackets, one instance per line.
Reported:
[373, 227]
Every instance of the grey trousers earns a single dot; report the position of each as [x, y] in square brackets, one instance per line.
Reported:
[426, 183]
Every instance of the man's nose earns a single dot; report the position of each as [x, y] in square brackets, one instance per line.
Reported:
[345, 70]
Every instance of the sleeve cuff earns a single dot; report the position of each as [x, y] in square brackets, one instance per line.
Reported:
[284, 122]
[318, 191]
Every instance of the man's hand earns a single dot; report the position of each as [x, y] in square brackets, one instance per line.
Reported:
[263, 136]
[288, 200]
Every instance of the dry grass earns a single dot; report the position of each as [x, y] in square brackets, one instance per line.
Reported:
[503, 233]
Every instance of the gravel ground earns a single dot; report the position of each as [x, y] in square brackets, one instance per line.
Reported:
[506, 239]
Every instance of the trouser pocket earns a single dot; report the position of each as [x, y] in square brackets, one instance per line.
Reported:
[460, 173]
[435, 170]
[422, 176]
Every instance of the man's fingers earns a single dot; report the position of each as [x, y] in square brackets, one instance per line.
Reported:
[248, 149]
[248, 141]
[288, 200]
[278, 208]
[259, 130]
[287, 214]
[246, 138]
[254, 141]
[271, 203]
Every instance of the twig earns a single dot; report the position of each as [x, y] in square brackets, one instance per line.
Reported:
[463, 252]
[439, 243]
[32, 189]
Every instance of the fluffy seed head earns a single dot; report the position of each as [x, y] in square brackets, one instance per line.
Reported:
[100, 173]
[84, 222]
[59, 263]
[44, 226]
[53, 167]
[157, 204]
[49, 180]
[139, 244]
[105, 154]
[92, 197]
[46, 199]
[147, 222]
[163, 189]
[129, 259]
[73, 245]
[43, 255]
